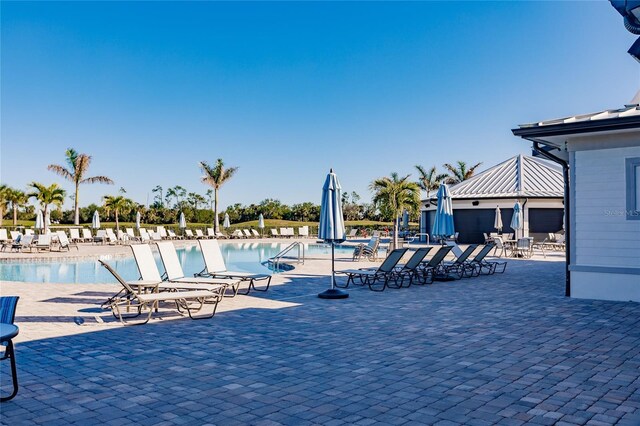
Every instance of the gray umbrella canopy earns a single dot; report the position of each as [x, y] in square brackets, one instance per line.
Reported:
[95, 222]
[331, 228]
[261, 221]
[182, 223]
[517, 220]
[138, 220]
[497, 222]
[39, 220]
[443, 222]
[226, 223]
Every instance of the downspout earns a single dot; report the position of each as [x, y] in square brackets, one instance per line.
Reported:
[567, 208]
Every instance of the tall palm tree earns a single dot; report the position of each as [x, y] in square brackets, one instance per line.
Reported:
[78, 166]
[158, 198]
[459, 172]
[119, 204]
[17, 199]
[429, 180]
[216, 176]
[396, 194]
[4, 200]
[47, 195]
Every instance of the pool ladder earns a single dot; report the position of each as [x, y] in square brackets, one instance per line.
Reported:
[277, 259]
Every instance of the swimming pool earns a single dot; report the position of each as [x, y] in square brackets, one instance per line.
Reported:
[246, 257]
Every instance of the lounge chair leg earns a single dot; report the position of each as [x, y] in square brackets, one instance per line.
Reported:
[10, 353]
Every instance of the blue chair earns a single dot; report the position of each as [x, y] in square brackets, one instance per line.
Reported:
[7, 315]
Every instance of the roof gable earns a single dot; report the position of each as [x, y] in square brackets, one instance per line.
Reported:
[519, 176]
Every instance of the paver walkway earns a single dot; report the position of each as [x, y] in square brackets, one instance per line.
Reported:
[505, 349]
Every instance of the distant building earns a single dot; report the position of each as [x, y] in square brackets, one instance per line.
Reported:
[536, 183]
[600, 153]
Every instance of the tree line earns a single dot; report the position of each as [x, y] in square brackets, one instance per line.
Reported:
[392, 195]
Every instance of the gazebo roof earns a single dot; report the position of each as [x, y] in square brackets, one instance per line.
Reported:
[518, 177]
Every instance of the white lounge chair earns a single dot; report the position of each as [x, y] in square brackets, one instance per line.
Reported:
[189, 234]
[74, 234]
[237, 234]
[175, 274]
[303, 231]
[210, 233]
[254, 233]
[352, 233]
[43, 243]
[246, 233]
[64, 243]
[131, 299]
[162, 232]
[274, 232]
[111, 237]
[199, 234]
[86, 235]
[216, 268]
[28, 232]
[4, 237]
[15, 235]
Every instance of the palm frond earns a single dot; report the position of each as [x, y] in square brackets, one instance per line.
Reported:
[61, 171]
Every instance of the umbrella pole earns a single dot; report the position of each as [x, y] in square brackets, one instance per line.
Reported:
[333, 292]
[333, 266]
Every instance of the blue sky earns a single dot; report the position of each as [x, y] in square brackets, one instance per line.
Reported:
[285, 91]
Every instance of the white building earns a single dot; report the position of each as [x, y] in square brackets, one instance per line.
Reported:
[600, 153]
[537, 184]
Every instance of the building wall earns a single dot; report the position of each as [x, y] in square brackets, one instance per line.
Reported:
[472, 221]
[605, 259]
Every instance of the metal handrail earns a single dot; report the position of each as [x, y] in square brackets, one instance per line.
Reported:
[278, 257]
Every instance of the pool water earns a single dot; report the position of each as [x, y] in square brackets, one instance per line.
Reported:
[245, 257]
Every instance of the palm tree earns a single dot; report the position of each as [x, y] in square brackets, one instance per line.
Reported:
[4, 200]
[17, 199]
[158, 198]
[78, 165]
[395, 194]
[429, 180]
[216, 176]
[459, 172]
[47, 195]
[119, 204]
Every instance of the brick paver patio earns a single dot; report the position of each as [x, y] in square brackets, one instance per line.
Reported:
[506, 349]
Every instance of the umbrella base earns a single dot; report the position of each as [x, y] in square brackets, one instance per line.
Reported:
[333, 293]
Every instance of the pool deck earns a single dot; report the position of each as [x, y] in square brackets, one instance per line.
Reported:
[505, 349]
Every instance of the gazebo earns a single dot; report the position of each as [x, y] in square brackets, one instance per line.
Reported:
[536, 183]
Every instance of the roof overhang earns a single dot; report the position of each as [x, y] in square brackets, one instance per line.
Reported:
[556, 134]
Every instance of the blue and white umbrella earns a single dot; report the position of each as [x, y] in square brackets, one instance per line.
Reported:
[39, 221]
[331, 228]
[516, 219]
[138, 220]
[443, 222]
[95, 222]
[182, 223]
[226, 223]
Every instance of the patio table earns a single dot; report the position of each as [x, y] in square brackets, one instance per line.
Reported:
[7, 333]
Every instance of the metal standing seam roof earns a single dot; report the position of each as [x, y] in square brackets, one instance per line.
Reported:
[627, 111]
[519, 176]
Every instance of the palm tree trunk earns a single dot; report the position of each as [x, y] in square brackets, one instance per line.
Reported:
[15, 214]
[215, 212]
[44, 218]
[395, 232]
[117, 223]
[76, 207]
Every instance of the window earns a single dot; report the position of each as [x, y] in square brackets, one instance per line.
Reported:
[633, 188]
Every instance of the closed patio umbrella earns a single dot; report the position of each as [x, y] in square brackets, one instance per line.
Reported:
[39, 221]
[182, 222]
[331, 228]
[95, 222]
[261, 223]
[138, 220]
[226, 223]
[497, 222]
[443, 222]
[517, 220]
